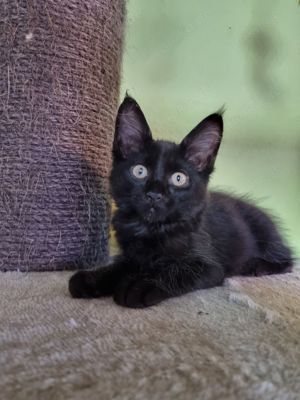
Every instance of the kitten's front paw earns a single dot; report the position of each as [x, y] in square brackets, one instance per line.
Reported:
[138, 293]
[80, 285]
[96, 283]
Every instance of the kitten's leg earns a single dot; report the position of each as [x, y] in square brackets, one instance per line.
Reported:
[264, 267]
[167, 281]
[97, 283]
[260, 267]
[273, 256]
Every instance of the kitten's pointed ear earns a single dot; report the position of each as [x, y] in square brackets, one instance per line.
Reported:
[132, 132]
[201, 145]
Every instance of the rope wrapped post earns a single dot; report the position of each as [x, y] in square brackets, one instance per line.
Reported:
[59, 80]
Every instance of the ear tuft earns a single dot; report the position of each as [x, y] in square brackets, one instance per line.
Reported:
[132, 132]
[200, 146]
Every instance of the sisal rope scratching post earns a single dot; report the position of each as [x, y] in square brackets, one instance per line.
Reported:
[59, 80]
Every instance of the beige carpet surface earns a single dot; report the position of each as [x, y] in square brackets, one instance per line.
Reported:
[240, 341]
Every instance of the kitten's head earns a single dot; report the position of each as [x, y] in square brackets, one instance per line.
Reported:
[159, 183]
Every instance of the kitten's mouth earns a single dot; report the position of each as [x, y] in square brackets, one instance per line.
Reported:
[156, 224]
[153, 216]
[150, 216]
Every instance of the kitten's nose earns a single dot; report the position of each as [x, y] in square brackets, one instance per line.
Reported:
[154, 196]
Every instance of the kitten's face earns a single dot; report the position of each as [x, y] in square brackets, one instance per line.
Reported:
[157, 182]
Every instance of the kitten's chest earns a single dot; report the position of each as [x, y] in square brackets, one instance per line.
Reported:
[153, 250]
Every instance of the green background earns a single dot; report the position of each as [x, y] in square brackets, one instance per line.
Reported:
[186, 59]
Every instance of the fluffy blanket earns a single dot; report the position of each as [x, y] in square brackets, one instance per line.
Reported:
[240, 341]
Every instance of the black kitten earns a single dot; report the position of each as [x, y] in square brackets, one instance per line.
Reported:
[175, 235]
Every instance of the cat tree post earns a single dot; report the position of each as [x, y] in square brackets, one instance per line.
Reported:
[59, 80]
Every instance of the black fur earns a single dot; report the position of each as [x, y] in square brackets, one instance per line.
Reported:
[177, 239]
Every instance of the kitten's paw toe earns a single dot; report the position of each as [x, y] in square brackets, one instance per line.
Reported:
[134, 295]
[138, 293]
[80, 286]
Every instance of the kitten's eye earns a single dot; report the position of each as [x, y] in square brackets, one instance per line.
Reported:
[179, 179]
[139, 171]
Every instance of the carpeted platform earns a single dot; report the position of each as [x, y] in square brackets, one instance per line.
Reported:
[240, 341]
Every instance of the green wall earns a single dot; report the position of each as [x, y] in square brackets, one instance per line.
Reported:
[185, 59]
